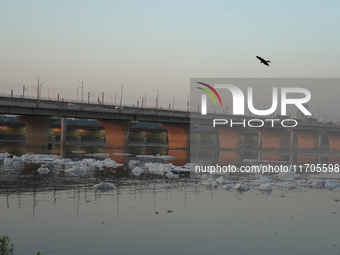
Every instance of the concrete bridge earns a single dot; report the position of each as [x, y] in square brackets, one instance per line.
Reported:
[116, 120]
[38, 117]
[81, 130]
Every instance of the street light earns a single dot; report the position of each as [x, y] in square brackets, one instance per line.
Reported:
[121, 95]
[145, 101]
[336, 116]
[77, 94]
[82, 90]
[187, 102]
[157, 98]
[38, 89]
[116, 96]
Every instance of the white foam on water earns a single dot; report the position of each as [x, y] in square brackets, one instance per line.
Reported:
[265, 187]
[43, 170]
[221, 180]
[325, 176]
[4, 155]
[7, 161]
[104, 186]
[181, 169]
[241, 186]
[97, 155]
[331, 184]
[168, 186]
[15, 158]
[316, 183]
[137, 171]
[77, 170]
[156, 156]
[210, 182]
[228, 186]
[134, 163]
[288, 185]
[288, 176]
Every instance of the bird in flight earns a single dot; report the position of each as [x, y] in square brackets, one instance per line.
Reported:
[264, 61]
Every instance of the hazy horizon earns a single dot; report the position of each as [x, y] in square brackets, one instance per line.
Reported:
[149, 45]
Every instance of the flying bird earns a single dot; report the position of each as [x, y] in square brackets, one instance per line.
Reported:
[264, 61]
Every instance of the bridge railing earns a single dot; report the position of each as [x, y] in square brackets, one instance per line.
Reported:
[103, 99]
[91, 103]
[73, 96]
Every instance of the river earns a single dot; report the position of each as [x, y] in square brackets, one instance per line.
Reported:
[61, 213]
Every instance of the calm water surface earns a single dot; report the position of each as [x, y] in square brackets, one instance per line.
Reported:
[62, 214]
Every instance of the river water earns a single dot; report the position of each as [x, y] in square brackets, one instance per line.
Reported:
[61, 213]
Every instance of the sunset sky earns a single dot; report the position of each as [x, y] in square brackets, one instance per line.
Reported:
[147, 45]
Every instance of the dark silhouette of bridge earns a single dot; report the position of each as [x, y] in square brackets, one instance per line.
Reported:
[39, 116]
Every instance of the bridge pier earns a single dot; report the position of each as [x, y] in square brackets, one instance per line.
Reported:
[270, 139]
[301, 159]
[37, 130]
[121, 158]
[334, 141]
[291, 142]
[178, 135]
[230, 139]
[228, 157]
[181, 157]
[63, 133]
[116, 132]
[308, 140]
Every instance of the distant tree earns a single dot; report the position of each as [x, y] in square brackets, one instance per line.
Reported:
[5, 247]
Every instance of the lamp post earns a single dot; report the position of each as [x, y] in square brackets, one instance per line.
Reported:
[187, 102]
[145, 101]
[121, 95]
[157, 99]
[37, 89]
[116, 97]
[336, 116]
[77, 94]
[40, 88]
[173, 104]
[82, 90]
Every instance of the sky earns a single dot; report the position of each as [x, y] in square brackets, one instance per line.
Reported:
[154, 45]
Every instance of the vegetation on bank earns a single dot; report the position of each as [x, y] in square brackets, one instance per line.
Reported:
[6, 248]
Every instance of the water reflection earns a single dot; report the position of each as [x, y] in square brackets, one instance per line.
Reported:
[82, 194]
[225, 157]
[125, 220]
[143, 216]
[182, 156]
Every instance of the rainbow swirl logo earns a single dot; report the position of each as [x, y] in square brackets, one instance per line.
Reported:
[209, 93]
